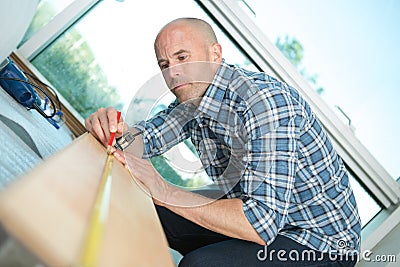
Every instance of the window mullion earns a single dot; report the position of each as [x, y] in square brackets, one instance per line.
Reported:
[55, 27]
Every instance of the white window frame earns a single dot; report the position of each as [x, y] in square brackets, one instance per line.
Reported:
[52, 30]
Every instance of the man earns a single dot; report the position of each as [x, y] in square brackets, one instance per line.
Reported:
[286, 189]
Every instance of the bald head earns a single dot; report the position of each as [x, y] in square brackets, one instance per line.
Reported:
[197, 25]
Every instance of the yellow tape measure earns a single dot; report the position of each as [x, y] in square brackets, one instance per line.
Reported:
[90, 251]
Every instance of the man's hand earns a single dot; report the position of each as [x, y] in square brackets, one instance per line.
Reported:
[103, 122]
[144, 171]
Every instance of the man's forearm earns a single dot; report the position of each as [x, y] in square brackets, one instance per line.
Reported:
[224, 216]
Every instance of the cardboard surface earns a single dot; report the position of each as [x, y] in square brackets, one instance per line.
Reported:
[49, 209]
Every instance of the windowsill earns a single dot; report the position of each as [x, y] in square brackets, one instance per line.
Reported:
[380, 227]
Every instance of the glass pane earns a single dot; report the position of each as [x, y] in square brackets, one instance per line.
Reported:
[45, 12]
[367, 206]
[348, 51]
[106, 57]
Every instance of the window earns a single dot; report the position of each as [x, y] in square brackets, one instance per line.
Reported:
[368, 207]
[349, 55]
[45, 12]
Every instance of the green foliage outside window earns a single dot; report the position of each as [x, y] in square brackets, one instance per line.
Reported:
[70, 66]
[294, 52]
[70, 69]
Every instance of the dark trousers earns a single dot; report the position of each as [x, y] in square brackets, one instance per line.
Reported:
[202, 247]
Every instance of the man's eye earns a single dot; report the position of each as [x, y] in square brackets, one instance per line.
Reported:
[164, 66]
[182, 57]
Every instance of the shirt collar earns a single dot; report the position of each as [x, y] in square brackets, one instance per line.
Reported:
[215, 93]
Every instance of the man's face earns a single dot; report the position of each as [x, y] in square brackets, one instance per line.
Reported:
[185, 61]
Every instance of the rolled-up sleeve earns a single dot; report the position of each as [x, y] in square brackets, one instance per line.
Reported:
[164, 130]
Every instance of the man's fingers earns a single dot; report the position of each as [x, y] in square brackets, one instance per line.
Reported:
[119, 156]
[102, 122]
[112, 119]
[93, 125]
[122, 126]
[104, 127]
[138, 167]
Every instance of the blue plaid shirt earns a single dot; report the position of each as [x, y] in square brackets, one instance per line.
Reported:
[259, 141]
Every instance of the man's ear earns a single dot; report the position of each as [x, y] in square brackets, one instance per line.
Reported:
[216, 53]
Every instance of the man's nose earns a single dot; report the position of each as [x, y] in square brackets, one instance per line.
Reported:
[175, 70]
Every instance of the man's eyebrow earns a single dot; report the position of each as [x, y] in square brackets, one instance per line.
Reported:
[161, 60]
[181, 51]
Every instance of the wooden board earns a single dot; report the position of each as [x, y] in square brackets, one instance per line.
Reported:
[48, 210]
